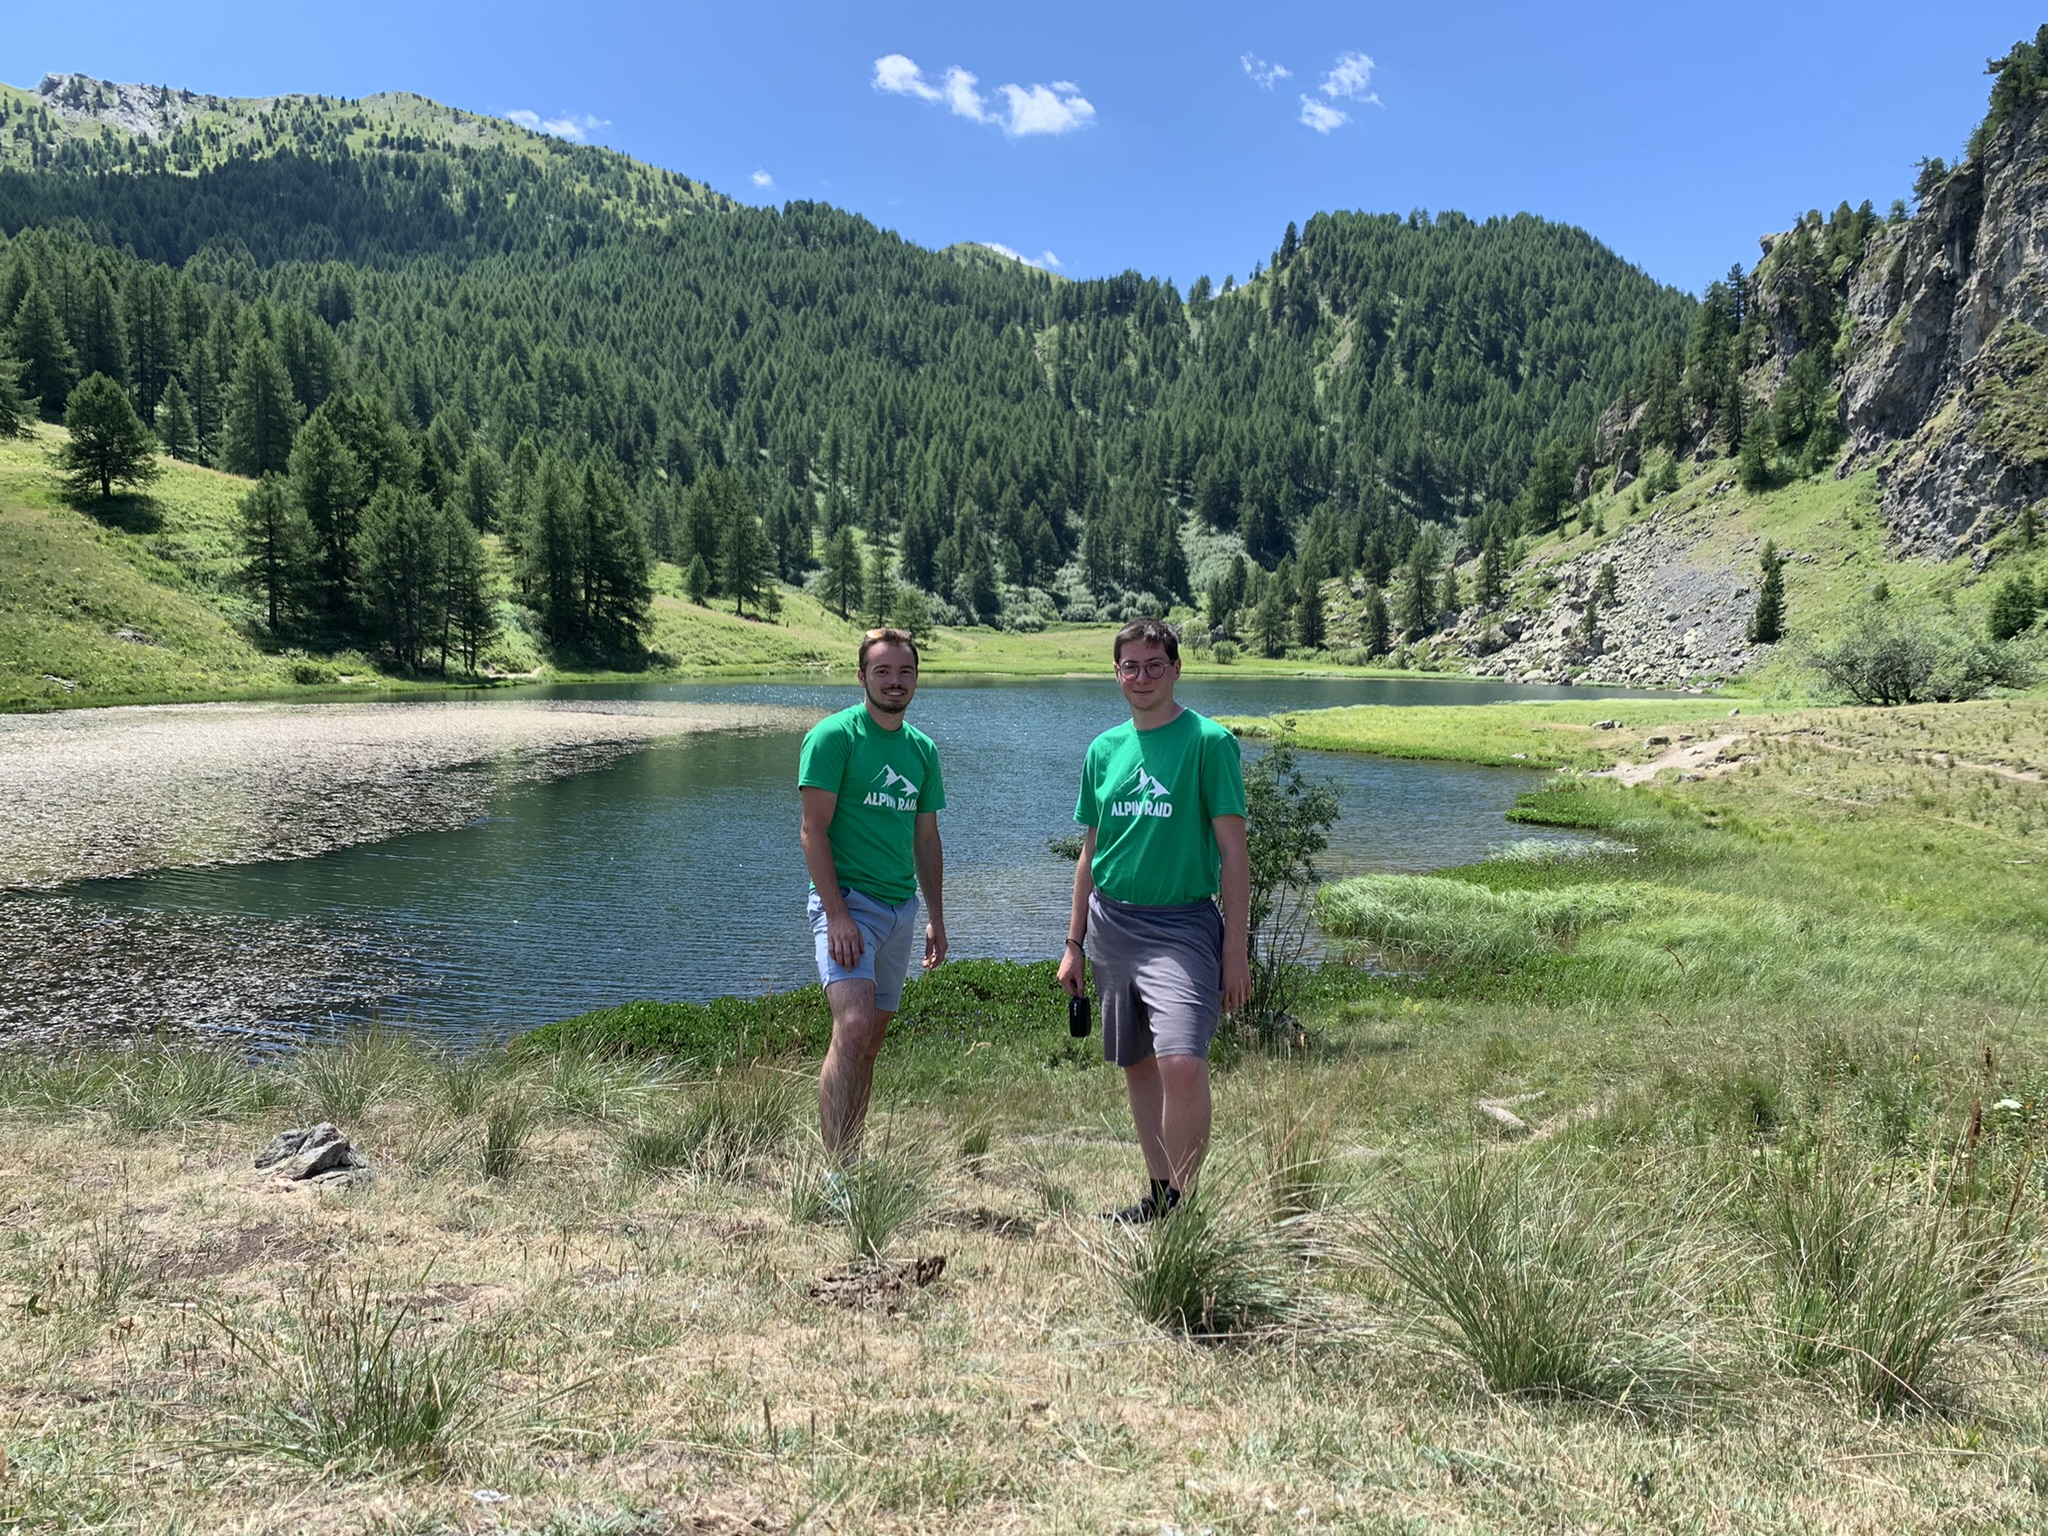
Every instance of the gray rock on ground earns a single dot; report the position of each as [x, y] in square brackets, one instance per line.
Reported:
[313, 1154]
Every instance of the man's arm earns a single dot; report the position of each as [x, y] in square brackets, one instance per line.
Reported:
[1237, 909]
[931, 880]
[842, 936]
[1073, 963]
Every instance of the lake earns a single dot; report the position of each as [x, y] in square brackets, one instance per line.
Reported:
[675, 873]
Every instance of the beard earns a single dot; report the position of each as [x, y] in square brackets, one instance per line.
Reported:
[886, 706]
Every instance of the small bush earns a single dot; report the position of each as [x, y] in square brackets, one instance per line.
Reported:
[1540, 1281]
[1893, 654]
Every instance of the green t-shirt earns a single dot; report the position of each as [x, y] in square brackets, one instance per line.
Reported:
[883, 780]
[1150, 796]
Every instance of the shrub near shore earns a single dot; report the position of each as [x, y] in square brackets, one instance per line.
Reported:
[1771, 1221]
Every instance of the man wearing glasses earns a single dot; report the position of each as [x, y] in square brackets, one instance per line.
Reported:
[871, 797]
[1162, 799]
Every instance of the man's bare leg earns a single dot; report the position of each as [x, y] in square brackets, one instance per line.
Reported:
[858, 1029]
[1184, 1116]
[1148, 1093]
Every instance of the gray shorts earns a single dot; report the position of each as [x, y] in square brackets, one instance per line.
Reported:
[888, 943]
[1159, 975]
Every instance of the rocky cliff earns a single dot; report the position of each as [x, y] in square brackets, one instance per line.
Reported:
[1945, 386]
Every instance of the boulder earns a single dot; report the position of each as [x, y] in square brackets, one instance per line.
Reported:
[313, 1154]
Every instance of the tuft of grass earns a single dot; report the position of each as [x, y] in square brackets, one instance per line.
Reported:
[975, 1141]
[144, 1087]
[1300, 1166]
[508, 1122]
[726, 1130]
[1544, 1283]
[1218, 1267]
[114, 1264]
[1426, 919]
[351, 1380]
[344, 1079]
[1866, 1284]
[582, 1084]
[878, 1198]
[463, 1081]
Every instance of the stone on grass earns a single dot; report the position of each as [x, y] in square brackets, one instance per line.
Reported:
[314, 1154]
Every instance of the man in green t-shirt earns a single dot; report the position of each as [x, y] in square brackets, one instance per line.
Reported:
[871, 797]
[1162, 799]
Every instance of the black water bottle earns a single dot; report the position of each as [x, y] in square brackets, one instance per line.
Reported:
[1078, 1022]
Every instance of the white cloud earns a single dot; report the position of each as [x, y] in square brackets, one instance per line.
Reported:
[1045, 262]
[1026, 110]
[963, 98]
[576, 127]
[1351, 80]
[1264, 74]
[901, 77]
[1042, 109]
[1324, 119]
[763, 179]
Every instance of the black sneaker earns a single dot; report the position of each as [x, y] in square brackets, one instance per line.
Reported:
[1151, 1208]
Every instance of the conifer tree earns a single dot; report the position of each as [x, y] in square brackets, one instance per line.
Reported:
[2030, 527]
[1308, 610]
[174, 424]
[1450, 601]
[743, 563]
[48, 365]
[1269, 620]
[615, 585]
[328, 483]
[1767, 622]
[468, 606]
[1606, 583]
[554, 555]
[101, 346]
[149, 306]
[262, 414]
[17, 411]
[1492, 573]
[277, 547]
[842, 580]
[1418, 595]
[1378, 631]
[108, 441]
[697, 581]
[401, 572]
[911, 612]
[878, 588]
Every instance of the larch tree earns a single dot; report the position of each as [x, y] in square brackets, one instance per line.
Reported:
[108, 443]
[278, 549]
[262, 413]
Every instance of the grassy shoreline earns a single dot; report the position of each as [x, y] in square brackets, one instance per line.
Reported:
[1786, 1012]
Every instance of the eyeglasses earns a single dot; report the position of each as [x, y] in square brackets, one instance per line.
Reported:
[1152, 669]
[897, 636]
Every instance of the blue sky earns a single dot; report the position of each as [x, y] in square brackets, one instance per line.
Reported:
[1103, 136]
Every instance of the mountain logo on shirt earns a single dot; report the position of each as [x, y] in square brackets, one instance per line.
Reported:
[1152, 798]
[887, 798]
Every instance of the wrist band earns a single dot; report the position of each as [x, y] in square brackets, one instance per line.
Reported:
[1077, 944]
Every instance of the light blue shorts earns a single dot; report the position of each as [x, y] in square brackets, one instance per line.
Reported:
[888, 940]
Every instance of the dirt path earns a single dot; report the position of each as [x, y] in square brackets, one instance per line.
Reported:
[112, 792]
[1687, 757]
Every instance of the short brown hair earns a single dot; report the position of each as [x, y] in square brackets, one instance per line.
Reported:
[1147, 630]
[887, 636]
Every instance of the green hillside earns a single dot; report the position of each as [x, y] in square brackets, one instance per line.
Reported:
[1023, 449]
